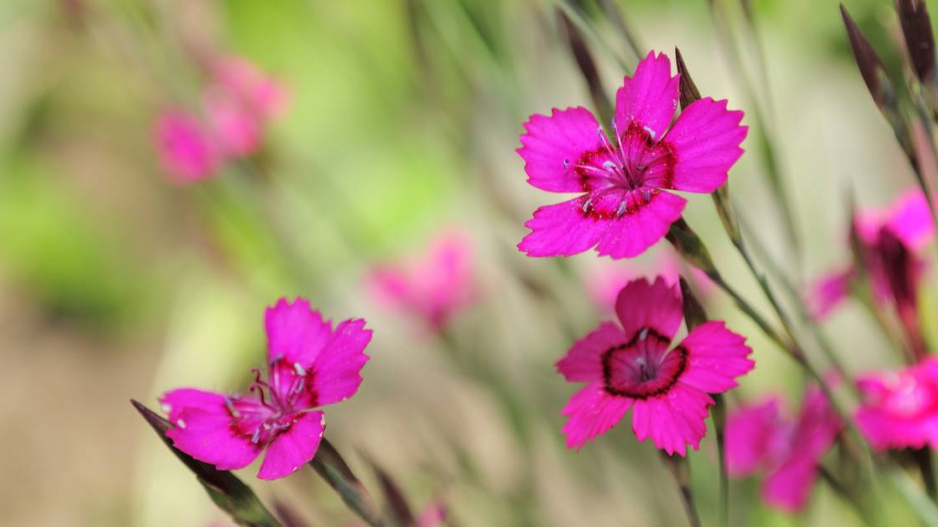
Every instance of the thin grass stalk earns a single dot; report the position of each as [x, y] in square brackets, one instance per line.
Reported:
[680, 471]
[587, 28]
[622, 26]
[725, 37]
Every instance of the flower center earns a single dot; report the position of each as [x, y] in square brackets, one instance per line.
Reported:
[643, 367]
[619, 179]
[278, 403]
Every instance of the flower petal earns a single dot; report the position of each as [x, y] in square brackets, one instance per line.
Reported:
[673, 420]
[657, 306]
[649, 97]
[185, 146]
[575, 226]
[562, 230]
[591, 412]
[909, 218]
[828, 292]
[295, 332]
[715, 357]
[336, 374]
[751, 432]
[789, 486]
[818, 426]
[203, 429]
[583, 363]
[630, 235]
[553, 146]
[706, 141]
[294, 447]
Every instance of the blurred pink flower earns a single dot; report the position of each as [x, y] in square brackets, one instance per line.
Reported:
[185, 146]
[434, 287]
[309, 365]
[889, 242]
[900, 409]
[631, 366]
[624, 208]
[605, 282]
[238, 103]
[760, 437]
[264, 96]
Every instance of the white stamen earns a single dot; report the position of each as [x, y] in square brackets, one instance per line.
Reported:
[181, 424]
[651, 132]
[166, 408]
[623, 206]
[299, 369]
[642, 335]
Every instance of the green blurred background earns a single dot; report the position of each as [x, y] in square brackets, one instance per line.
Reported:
[405, 115]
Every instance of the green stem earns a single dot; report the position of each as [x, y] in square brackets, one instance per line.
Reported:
[718, 414]
[680, 471]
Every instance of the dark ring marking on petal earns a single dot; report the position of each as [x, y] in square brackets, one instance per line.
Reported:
[640, 394]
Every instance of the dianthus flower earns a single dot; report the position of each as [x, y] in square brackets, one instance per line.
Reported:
[434, 287]
[624, 207]
[633, 366]
[882, 235]
[788, 449]
[186, 147]
[900, 409]
[237, 105]
[309, 365]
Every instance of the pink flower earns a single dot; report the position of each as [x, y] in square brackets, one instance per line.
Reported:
[760, 437]
[432, 288]
[238, 104]
[309, 365]
[185, 146]
[266, 97]
[605, 282]
[890, 240]
[632, 367]
[900, 409]
[624, 208]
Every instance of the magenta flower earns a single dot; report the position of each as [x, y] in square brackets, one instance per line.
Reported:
[900, 409]
[604, 282]
[434, 287]
[633, 366]
[185, 146]
[238, 105]
[890, 241]
[309, 365]
[624, 206]
[788, 449]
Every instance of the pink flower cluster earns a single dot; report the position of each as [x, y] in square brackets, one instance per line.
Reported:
[760, 436]
[309, 365]
[906, 222]
[236, 108]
